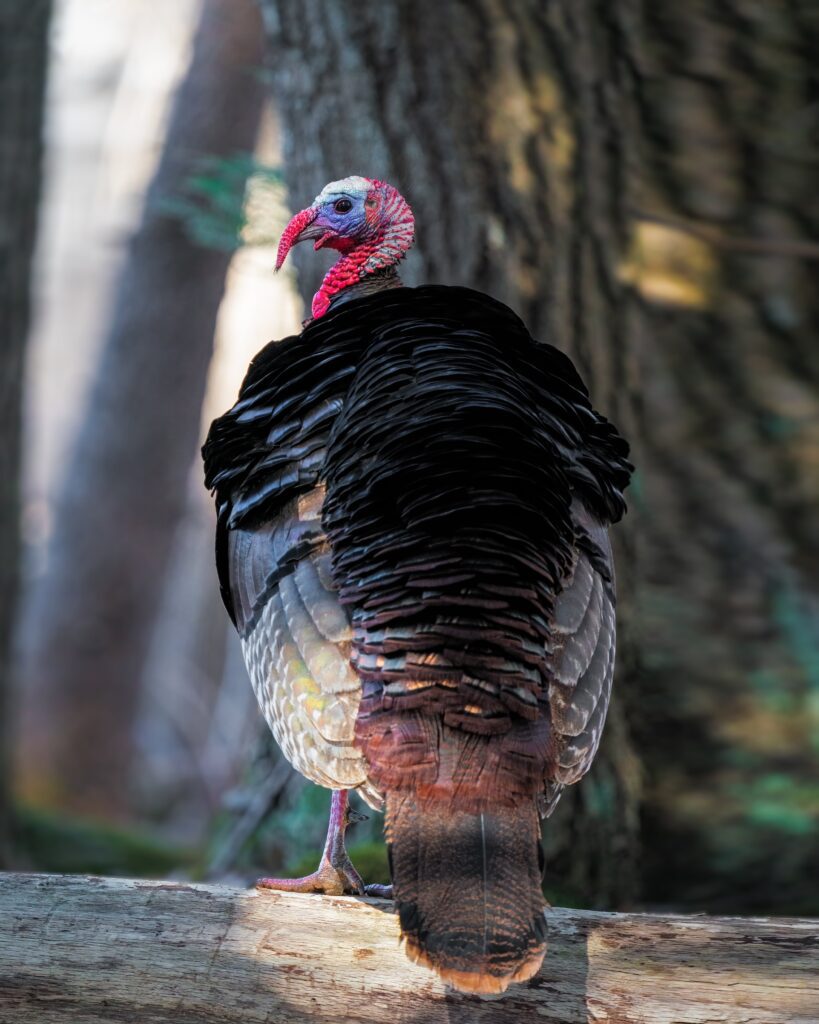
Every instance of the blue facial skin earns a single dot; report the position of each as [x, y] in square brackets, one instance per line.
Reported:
[351, 223]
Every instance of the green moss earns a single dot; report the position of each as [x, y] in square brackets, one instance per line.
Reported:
[53, 842]
[369, 859]
[782, 817]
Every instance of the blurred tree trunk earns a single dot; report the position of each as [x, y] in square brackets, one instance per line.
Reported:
[23, 65]
[542, 146]
[502, 123]
[725, 258]
[127, 479]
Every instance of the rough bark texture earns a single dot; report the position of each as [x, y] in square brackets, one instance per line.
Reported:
[23, 63]
[638, 181]
[108, 951]
[502, 122]
[126, 481]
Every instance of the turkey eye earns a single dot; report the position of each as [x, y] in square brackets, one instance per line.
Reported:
[342, 206]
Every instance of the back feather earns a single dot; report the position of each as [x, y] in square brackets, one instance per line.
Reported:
[468, 486]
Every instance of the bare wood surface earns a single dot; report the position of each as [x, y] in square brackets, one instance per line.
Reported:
[103, 950]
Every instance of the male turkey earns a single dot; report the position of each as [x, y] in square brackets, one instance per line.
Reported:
[413, 499]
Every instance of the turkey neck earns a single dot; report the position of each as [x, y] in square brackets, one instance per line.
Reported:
[375, 282]
[368, 265]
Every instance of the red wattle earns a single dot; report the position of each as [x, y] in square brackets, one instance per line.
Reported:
[379, 243]
[292, 232]
[348, 270]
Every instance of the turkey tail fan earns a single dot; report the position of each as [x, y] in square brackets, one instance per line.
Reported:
[467, 890]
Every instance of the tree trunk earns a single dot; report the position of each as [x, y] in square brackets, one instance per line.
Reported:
[639, 182]
[725, 258]
[23, 64]
[502, 122]
[126, 481]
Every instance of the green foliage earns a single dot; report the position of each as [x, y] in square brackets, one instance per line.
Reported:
[778, 803]
[800, 628]
[299, 831]
[559, 892]
[369, 859]
[227, 202]
[53, 842]
[637, 492]
[301, 826]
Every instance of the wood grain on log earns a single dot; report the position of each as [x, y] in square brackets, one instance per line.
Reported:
[110, 950]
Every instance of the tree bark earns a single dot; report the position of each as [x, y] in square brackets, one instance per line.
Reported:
[23, 65]
[109, 950]
[126, 481]
[638, 182]
[725, 252]
[503, 124]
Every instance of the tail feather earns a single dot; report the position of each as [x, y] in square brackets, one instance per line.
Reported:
[467, 890]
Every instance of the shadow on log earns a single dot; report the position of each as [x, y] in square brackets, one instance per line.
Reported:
[110, 950]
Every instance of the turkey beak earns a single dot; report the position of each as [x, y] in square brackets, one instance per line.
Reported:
[298, 230]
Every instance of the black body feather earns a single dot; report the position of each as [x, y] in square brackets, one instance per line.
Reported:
[466, 485]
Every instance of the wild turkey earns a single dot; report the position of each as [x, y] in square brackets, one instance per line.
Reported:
[413, 498]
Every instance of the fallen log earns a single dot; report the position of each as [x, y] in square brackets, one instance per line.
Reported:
[86, 949]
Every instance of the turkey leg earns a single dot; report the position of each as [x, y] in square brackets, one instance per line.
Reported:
[335, 875]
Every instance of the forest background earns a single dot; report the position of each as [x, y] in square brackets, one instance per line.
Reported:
[637, 180]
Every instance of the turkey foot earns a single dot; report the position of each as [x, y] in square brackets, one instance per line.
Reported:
[335, 875]
[383, 892]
